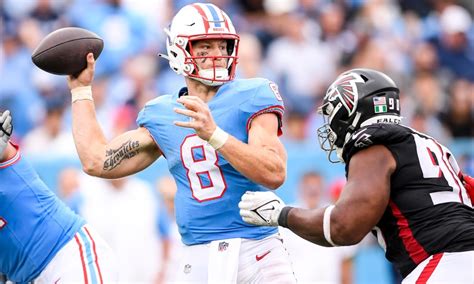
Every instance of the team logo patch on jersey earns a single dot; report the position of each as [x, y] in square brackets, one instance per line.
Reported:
[274, 88]
[345, 89]
[362, 139]
[223, 246]
[380, 104]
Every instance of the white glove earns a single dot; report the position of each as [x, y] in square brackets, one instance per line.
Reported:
[261, 208]
[5, 130]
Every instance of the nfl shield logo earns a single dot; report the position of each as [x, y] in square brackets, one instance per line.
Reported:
[223, 246]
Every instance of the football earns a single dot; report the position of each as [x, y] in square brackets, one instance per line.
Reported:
[63, 52]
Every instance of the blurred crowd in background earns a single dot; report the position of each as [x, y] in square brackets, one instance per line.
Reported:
[426, 46]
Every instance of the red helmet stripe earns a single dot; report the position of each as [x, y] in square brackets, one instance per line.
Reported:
[203, 15]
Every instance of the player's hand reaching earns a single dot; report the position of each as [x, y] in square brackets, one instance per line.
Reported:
[468, 183]
[6, 129]
[200, 117]
[86, 76]
[261, 208]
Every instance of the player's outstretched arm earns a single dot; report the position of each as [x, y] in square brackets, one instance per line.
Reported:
[468, 183]
[127, 154]
[361, 205]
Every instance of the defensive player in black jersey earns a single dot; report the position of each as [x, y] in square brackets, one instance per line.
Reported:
[401, 184]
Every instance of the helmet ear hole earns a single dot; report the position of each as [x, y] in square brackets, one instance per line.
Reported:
[364, 77]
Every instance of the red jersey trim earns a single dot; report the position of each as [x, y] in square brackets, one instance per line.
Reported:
[412, 246]
[276, 109]
[13, 160]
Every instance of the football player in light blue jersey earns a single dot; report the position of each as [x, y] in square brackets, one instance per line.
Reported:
[41, 239]
[219, 137]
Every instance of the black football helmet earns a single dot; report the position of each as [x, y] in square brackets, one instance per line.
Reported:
[356, 98]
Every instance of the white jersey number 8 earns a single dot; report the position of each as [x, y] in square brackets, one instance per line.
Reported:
[205, 168]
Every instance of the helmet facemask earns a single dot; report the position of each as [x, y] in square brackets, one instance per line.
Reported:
[213, 76]
[335, 124]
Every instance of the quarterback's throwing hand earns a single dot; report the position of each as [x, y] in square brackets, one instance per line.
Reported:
[261, 208]
[6, 129]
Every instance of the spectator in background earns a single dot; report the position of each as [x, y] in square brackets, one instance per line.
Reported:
[458, 115]
[302, 64]
[454, 47]
[312, 263]
[68, 186]
[251, 63]
[50, 136]
[170, 238]
[124, 211]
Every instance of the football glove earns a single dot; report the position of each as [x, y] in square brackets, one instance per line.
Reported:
[261, 208]
[6, 129]
[468, 183]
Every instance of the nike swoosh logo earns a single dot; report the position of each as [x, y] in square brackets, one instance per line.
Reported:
[260, 257]
[268, 209]
[358, 134]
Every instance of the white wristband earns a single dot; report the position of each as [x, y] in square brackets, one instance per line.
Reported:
[327, 225]
[81, 93]
[218, 138]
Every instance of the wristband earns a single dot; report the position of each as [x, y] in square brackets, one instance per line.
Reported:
[81, 93]
[218, 138]
[327, 225]
[283, 218]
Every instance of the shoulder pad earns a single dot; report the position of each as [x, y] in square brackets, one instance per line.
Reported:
[374, 134]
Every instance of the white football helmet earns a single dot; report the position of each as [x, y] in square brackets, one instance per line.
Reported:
[195, 22]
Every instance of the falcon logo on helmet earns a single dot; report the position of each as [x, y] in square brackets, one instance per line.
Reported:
[345, 89]
[201, 21]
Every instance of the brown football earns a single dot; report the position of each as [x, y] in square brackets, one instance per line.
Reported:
[63, 52]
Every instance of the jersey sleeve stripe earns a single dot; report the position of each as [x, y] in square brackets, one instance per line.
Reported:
[276, 109]
[13, 160]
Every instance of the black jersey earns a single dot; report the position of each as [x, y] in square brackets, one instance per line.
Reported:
[429, 210]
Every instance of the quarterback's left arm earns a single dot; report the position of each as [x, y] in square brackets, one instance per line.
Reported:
[263, 159]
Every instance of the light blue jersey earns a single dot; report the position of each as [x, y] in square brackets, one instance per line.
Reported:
[209, 188]
[34, 223]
